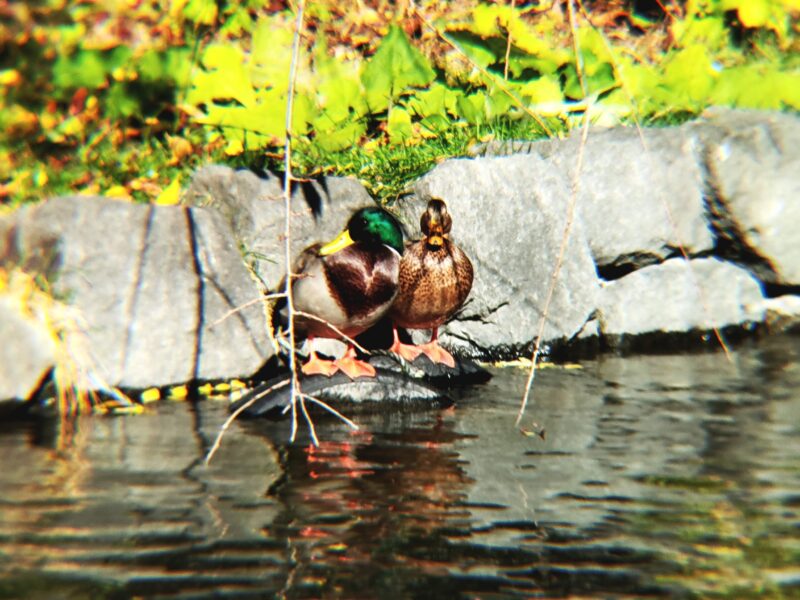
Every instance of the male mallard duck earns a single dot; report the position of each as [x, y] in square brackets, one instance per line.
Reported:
[349, 283]
[435, 279]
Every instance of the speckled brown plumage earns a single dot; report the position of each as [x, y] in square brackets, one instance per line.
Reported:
[435, 275]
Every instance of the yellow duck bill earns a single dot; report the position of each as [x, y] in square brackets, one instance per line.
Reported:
[342, 241]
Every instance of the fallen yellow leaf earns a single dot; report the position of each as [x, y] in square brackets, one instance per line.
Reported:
[180, 147]
[10, 77]
[120, 192]
[179, 393]
[150, 395]
[170, 194]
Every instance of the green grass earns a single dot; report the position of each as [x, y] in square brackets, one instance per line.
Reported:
[388, 170]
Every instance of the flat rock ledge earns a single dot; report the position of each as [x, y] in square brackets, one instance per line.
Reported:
[671, 233]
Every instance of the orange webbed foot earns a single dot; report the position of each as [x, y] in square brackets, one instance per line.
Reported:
[437, 354]
[407, 351]
[318, 366]
[352, 367]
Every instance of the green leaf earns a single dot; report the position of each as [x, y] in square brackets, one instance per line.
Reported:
[271, 54]
[225, 79]
[238, 23]
[710, 32]
[519, 62]
[471, 107]
[120, 103]
[340, 138]
[84, 69]
[395, 66]
[436, 123]
[151, 67]
[498, 103]
[435, 101]
[399, 125]
[789, 88]
[339, 93]
[203, 12]
[690, 75]
[752, 13]
[178, 65]
[483, 53]
[752, 86]
[486, 18]
[542, 90]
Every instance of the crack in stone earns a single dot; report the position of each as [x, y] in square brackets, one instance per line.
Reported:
[480, 317]
[730, 242]
[131, 312]
[201, 291]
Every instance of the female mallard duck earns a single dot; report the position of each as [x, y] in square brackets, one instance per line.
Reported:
[349, 283]
[435, 279]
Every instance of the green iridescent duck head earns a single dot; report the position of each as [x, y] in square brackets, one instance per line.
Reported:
[371, 226]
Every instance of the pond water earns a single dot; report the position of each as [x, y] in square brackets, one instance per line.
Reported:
[659, 476]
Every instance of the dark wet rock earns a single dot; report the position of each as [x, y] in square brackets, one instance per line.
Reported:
[465, 372]
[27, 352]
[387, 387]
[679, 296]
[396, 383]
[508, 217]
[639, 200]
[753, 164]
[254, 208]
[153, 284]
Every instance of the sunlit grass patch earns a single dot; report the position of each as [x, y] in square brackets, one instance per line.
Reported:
[75, 385]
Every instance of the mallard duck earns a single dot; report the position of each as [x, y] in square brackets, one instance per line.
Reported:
[350, 283]
[435, 279]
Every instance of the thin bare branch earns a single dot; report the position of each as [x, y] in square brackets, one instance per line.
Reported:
[331, 410]
[573, 200]
[235, 414]
[556, 269]
[508, 45]
[293, 380]
[287, 229]
[311, 427]
[233, 311]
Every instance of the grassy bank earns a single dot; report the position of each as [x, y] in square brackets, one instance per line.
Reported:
[126, 99]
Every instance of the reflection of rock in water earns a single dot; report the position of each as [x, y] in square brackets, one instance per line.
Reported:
[611, 428]
[131, 498]
[652, 468]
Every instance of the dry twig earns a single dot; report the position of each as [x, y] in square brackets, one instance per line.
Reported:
[235, 414]
[567, 225]
[233, 311]
[287, 230]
